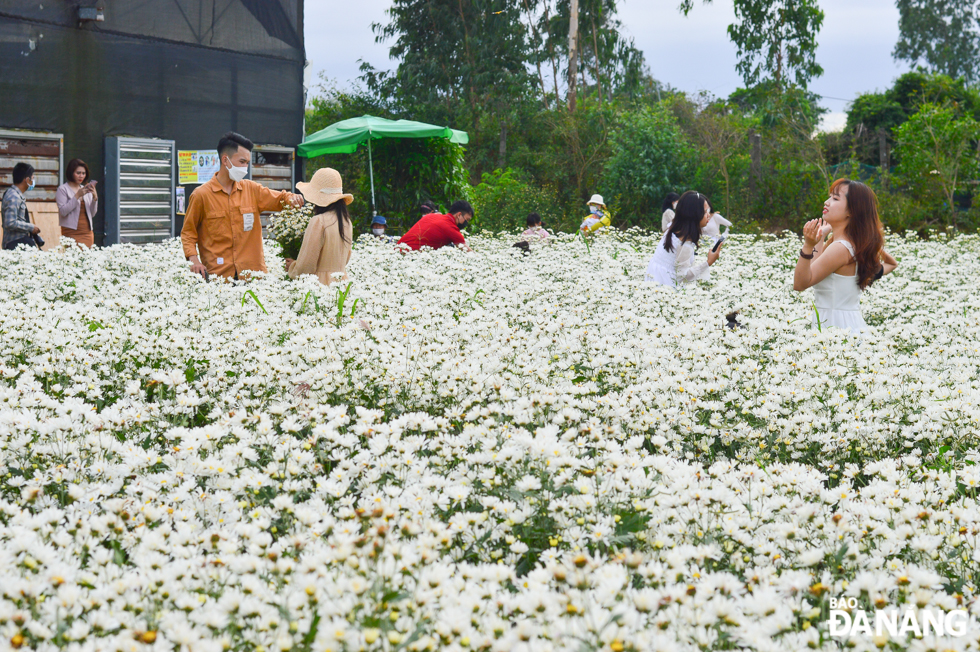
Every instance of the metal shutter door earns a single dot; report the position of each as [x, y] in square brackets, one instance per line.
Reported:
[140, 178]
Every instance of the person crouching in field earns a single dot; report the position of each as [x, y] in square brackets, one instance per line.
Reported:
[328, 237]
[852, 260]
[673, 263]
[436, 230]
[535, 231]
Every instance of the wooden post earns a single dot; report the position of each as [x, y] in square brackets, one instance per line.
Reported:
[883, 155]
[502, 151]
[755, 169]
[572, 52]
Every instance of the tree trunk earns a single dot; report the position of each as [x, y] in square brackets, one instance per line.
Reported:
[883, 162]
[572, 53]
[595, 47]
[551, 52]
[728, 201]
[755, 169]
[537, 34]
[502, 152]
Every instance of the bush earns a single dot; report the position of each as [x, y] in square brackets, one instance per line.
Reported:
[936, 148]
[503, 199]
[650, 157]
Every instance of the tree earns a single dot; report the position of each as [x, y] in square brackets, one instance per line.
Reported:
[776, 40]
[943, 34]
[938, 148]
[718, 132]
[872, 114]
[459, 61]
[650, 157]
[573, 49]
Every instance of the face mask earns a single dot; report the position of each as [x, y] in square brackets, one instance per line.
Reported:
[31, 187]
[237, 173]
[596, 210]
[378, 231]
[464, 225]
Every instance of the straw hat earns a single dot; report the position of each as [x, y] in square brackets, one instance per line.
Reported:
[324, 188]
[597, 199]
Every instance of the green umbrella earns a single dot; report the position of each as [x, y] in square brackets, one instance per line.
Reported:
[345, 136]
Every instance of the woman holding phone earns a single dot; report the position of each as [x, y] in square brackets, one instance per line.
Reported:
[77, 203]
[851, 261]
[674, 262]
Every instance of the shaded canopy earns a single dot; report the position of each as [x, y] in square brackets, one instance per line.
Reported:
[345, 136]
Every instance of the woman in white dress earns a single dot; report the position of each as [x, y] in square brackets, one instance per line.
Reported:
[674, 262]
[851, 261]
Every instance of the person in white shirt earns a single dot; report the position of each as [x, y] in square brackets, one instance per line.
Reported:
[713, 228]
[670, 201]
[674, 263]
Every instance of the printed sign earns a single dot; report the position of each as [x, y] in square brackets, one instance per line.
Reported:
[196, 167]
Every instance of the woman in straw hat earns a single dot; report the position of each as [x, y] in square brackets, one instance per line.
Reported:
[327, 241]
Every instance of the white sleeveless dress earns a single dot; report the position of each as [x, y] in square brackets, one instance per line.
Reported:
[838, 300]
[677, 267]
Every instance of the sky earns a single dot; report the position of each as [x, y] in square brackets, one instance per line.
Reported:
[690, 53]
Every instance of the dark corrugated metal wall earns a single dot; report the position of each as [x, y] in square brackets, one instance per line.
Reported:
[185, 70]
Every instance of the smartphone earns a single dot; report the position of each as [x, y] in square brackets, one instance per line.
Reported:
[92, 183]
[718, 243]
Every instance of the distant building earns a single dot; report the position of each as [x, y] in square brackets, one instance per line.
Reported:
[127, 84]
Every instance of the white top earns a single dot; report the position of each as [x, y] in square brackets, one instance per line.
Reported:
[837, 299]
[677, 267]
[713, 228]
[667, 219]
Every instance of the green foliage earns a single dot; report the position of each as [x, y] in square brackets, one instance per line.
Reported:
[497, 70]
[876, 111]
[771, 105]
[504, 198]
[791, 191]
[938, 152]
[943, 34]
[913, 89]
[650, 157]
[886, 111]
[776, 40]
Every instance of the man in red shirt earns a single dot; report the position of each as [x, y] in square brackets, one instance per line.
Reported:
[436, 230]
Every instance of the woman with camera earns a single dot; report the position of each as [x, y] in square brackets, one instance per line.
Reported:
[673, 263]
[77, 203]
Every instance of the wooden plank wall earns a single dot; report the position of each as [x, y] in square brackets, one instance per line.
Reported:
[43, 154]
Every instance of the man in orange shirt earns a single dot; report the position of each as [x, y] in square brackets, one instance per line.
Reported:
[222, 233]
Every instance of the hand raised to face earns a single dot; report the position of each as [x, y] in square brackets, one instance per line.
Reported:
[812, 231]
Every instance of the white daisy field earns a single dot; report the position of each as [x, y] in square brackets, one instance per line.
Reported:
[484, 451]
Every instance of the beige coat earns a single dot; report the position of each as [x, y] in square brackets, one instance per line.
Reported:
[323, 252]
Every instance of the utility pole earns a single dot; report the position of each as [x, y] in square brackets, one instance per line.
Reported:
[572, 52]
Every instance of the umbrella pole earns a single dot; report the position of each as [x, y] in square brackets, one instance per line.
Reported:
[374, 207]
